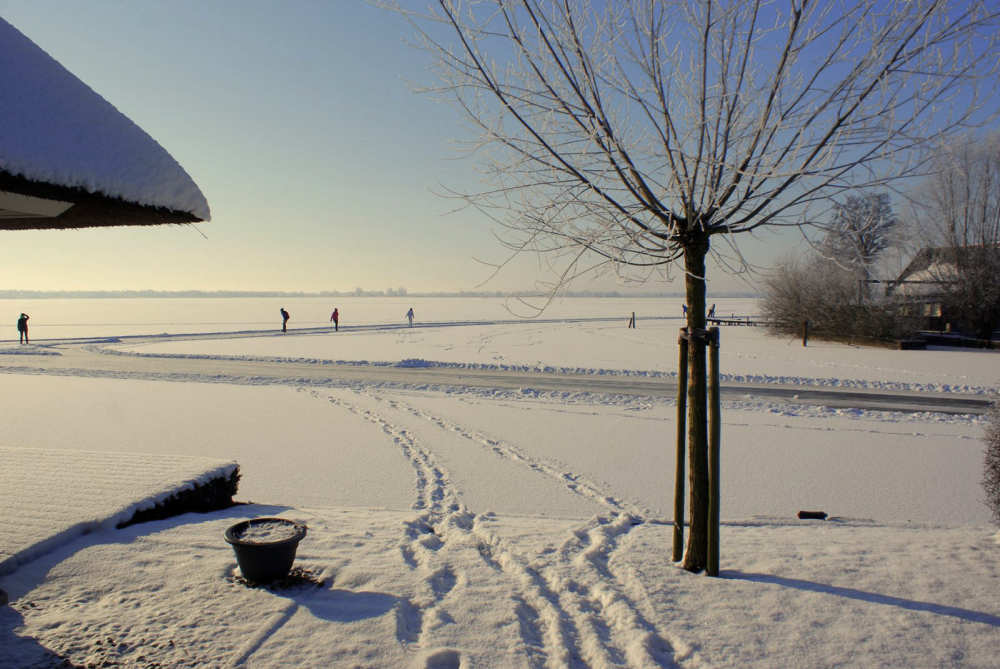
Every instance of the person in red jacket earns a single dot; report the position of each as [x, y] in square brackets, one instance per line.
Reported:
[335, 319]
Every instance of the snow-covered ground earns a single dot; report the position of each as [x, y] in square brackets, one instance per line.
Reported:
[467, 530]
[745, 354]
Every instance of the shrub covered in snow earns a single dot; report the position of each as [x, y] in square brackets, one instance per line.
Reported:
[828, 295]
[991, 467]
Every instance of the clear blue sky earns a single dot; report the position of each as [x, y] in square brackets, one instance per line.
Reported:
[298, 122]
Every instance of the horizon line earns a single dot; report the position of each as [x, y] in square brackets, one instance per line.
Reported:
[11, 294]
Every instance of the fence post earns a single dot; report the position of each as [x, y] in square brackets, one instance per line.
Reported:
[714, 438]
[682, 372]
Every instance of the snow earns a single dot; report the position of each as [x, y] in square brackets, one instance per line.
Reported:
[266, 531]
[50, 497]
[516, 529]
[55, 129]
[606, 347]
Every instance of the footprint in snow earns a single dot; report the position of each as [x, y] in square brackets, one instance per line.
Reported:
[444, 659]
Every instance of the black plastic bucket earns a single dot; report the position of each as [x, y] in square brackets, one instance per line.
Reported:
[265, 560]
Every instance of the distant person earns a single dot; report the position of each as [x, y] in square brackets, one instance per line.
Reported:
[335, 319]
[684, 310]
[409, 316]
[284, 320]
[22, 328]
[711, 312]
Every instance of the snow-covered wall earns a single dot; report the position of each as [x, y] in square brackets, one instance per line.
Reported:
[56, 129]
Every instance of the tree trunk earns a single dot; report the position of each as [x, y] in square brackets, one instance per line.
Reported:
[696, 556]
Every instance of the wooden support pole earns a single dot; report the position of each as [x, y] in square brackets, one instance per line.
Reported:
[714, 438]
[680, 473]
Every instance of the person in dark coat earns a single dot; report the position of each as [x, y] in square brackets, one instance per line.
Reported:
[284, 320]
[22, 328]
[335, 319]
[409, 316]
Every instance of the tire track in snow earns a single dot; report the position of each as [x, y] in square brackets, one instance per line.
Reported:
[583, 574]
[433, 491]
[580, 586]
[540, 615]
[573, 482]
[437, 501]
[441, 517]
[579, 597]
[684, 653]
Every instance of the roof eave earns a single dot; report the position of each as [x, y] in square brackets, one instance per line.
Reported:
[86, 210]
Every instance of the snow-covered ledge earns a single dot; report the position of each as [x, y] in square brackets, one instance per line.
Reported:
[51, 496]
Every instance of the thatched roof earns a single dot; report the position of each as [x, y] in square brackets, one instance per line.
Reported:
[69, 159]
[933, 268]
[944, 263]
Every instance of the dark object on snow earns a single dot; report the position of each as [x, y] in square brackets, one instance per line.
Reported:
[812, 515]
[264, 560]
[22, 327]
[913, 344]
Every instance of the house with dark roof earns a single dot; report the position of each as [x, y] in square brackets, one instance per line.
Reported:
[925, 283]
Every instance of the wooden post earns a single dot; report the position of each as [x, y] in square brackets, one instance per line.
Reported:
[714, 437]
[805, 332]
[680, 473]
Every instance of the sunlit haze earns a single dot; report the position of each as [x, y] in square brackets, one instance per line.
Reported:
[300, 123]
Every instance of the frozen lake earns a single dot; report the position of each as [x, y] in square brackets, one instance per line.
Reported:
[60, 318]
[490, 521]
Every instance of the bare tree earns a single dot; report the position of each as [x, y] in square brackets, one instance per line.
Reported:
[631, 134]
[862, 227]
[959, 214]
[811, 288]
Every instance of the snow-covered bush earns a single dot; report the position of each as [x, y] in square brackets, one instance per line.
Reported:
[826, 294]
[991, 465]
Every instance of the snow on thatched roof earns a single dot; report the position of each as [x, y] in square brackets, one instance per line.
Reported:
[933, 268]
[69, 159]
